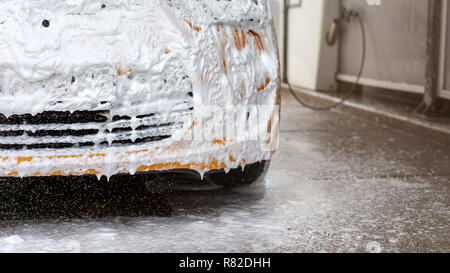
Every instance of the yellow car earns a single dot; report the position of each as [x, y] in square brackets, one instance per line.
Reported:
[104, 88]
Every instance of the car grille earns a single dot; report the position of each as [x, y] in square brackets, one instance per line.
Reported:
[64, 129]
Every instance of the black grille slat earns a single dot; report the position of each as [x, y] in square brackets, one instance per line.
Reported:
[145, 116]
[67, 117]
[116, 118]
[14, 119]
[119, 130]
[11, 146]
[11, 133]
[61, 133]
[146, 127]
[137, 141]
[50, 146]
[56, 118]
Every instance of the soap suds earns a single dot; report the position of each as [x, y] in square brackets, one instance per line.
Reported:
[134, 58]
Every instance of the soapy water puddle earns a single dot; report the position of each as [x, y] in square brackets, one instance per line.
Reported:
[157, 222]
[283, 213]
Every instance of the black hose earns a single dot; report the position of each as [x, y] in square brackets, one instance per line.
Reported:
[351, 90]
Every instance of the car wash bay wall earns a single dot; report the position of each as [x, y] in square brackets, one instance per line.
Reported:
[310, 63]
[396, 46]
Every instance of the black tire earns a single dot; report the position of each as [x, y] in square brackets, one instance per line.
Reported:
[250, 174]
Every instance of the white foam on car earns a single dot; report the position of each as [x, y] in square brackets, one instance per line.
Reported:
[133, 58]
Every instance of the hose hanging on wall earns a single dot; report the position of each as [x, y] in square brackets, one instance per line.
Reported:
[330, 40]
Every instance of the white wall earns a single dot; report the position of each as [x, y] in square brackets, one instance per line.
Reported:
[311, 63]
